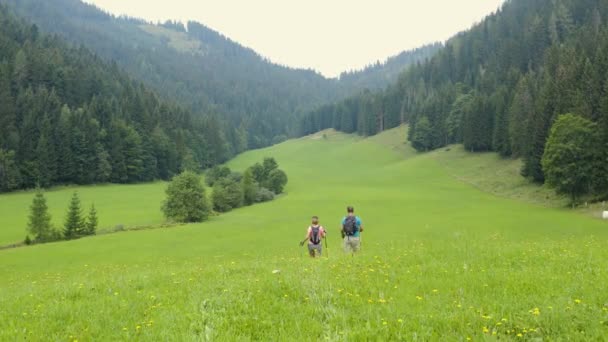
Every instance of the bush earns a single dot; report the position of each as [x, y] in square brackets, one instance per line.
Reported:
[227, 195]
[186, 200]
[264, 195]
[236, 177]
[276, 181]
[216, 173]
[249, 186]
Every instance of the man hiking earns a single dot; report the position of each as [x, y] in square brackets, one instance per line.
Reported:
[351, 231]
[314, 234]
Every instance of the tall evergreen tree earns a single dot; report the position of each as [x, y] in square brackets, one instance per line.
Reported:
[39, 220]
[74, 226]
[92, 221]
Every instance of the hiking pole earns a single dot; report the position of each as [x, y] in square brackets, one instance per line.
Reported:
[326, 250]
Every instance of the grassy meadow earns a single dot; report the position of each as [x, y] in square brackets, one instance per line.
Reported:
[442, 259]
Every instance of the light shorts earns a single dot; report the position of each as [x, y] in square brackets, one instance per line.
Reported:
[352, 243]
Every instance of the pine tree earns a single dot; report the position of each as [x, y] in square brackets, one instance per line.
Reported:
[10, 177]
[39, 224]
[74, 225]
[91, 224]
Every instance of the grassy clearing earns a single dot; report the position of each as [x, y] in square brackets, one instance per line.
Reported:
[127, 205]
[179, 41]
[441, 260]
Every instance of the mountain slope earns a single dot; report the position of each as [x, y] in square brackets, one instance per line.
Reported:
[259, 102]
[67, 117]
[377, 76]
[497, 87]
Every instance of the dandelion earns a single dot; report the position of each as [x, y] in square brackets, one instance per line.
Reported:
[400, 320]
[419, 297]
[577, 301]
[520, 335]
[124, 329]
[382, 300]
[384, 323]
[485, 330]
[535, 311]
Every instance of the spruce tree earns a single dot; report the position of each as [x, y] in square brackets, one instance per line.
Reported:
[92, 221]
[39, 224]
[74, 225]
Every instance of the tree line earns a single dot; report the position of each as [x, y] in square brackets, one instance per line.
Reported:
[41, 230]
[499, 87]
[66, 117]
[257, 102]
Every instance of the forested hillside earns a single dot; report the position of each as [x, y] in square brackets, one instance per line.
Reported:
[498, 87]
[378, 75]
[68, 117]
[258, 102]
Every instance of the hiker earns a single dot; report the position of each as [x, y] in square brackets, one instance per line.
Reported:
[351, 230]
[314, 234]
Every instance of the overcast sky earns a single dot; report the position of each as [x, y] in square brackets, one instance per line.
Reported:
[329, 36]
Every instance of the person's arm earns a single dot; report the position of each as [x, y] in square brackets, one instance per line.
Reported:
[308, 232]
[342, 227]
[360, 224]
[323, 232]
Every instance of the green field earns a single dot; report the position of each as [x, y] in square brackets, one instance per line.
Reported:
[442, 260]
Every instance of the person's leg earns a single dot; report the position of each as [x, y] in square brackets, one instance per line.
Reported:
[319, 249]
[346, 244]
[356, 244]
[311, 250]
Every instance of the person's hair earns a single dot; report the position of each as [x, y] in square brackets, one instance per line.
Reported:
[315, 217]
[350, 209]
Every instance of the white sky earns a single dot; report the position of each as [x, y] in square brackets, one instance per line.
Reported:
[329, 36]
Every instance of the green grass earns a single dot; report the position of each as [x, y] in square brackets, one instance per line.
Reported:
[441, 260]
[127, 205]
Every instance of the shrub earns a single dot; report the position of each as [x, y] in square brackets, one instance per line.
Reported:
[227, 195]
[216, 173]
[276, 181]
[264, 195]
[186, 200]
